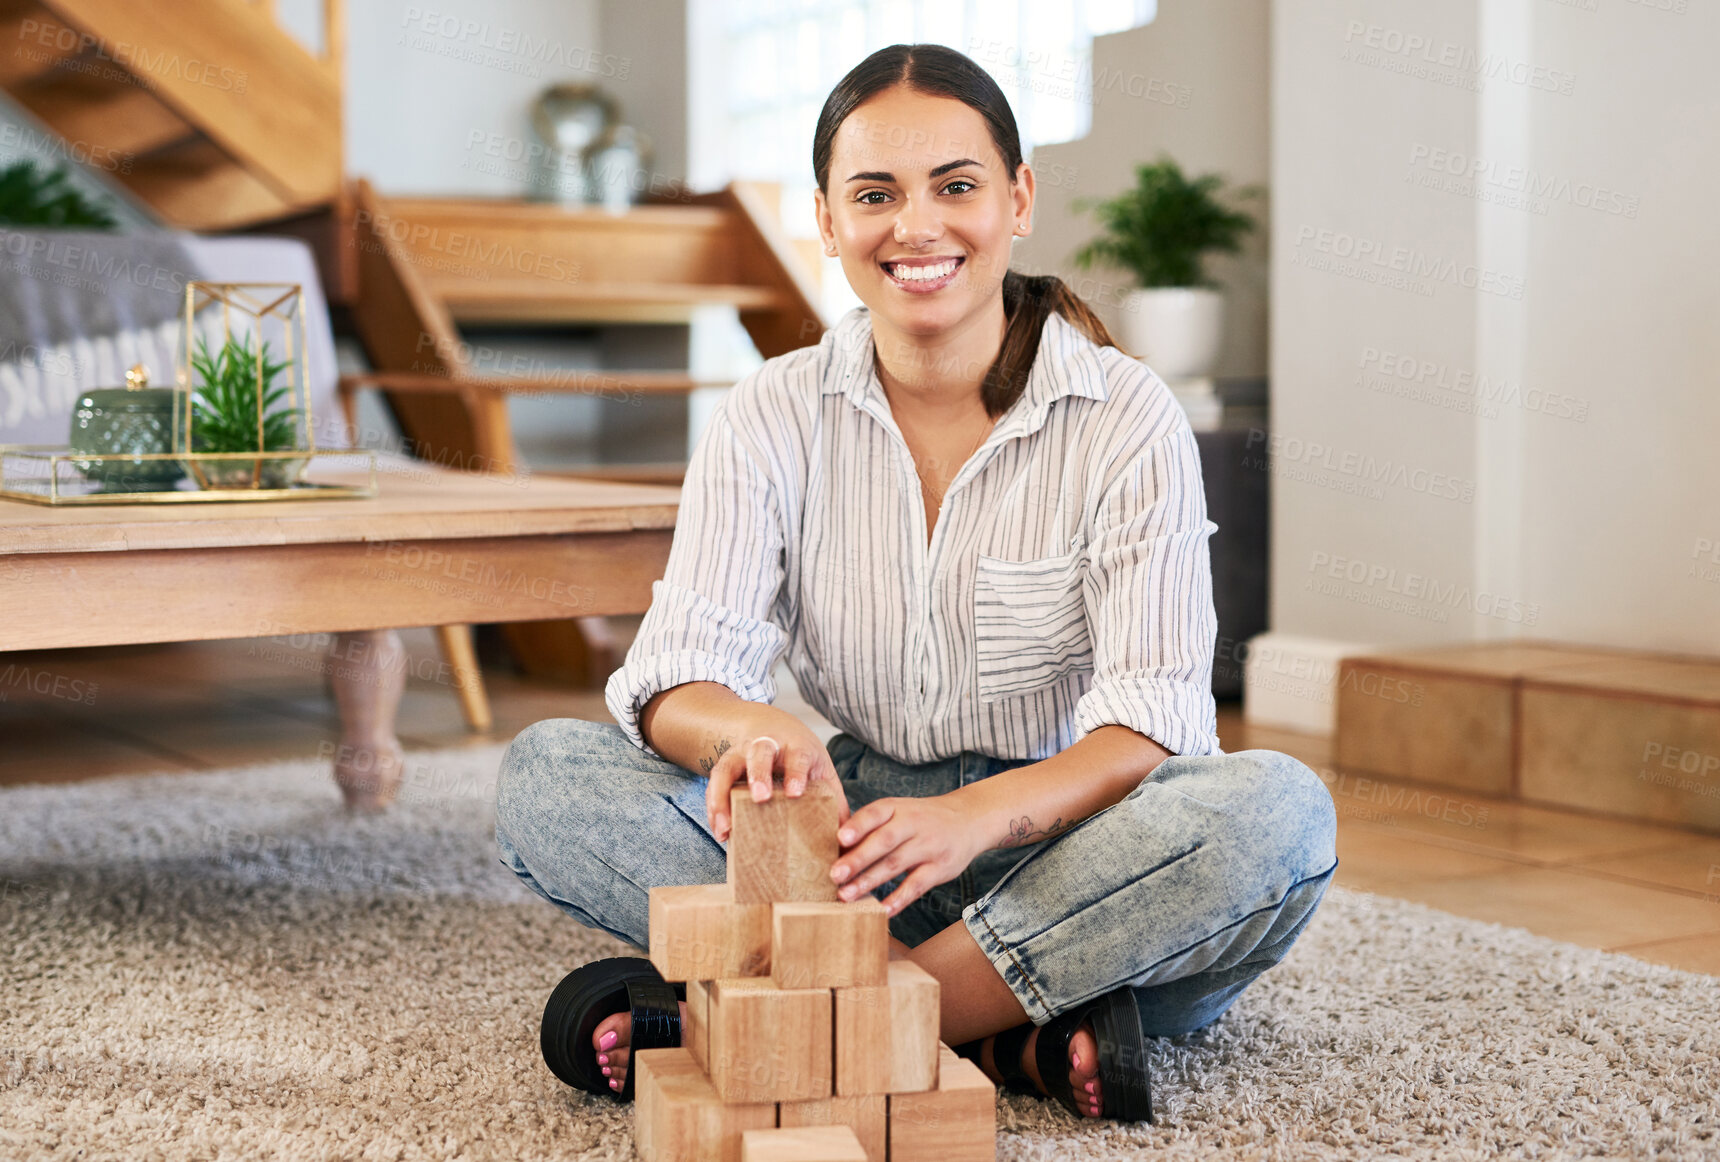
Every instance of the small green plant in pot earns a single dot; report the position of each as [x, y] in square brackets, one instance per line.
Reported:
[30, 196]
[1160, 231]
[233, 385]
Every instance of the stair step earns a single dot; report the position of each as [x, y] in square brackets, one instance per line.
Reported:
[610, 384]
[538, 301]
[518, 213]
[1613, 731]
[197, 186]
[661, 472]
[504, 260]
[89, 107]
[34, 43]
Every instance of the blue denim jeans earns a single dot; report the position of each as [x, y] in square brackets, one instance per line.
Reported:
[1196, 883]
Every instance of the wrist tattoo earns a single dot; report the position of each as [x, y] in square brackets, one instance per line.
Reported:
[706, 765]
[1022, 831]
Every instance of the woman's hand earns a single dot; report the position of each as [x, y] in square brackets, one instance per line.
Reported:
[932, 840]
[767, 747]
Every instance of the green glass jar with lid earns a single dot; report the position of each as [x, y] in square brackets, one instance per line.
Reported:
[132, 421]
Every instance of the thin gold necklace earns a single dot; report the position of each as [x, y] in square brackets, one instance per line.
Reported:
[991, 422]
[984, 432]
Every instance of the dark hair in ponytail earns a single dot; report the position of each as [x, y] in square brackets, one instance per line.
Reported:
[1028, 300]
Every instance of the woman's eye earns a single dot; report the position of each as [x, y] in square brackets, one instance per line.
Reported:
[959, 186]
[873, 198]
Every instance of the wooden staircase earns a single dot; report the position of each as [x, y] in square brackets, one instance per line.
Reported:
[415, 269]
[423, 266]
[206, 110]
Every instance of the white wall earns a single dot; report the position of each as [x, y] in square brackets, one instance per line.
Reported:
[438, 95]
[1570, 504]
[649, 39]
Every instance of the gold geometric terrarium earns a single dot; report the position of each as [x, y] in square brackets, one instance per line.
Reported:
[241, 424]
[246, 419]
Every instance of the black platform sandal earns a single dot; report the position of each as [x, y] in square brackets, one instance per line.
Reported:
[1123, 1073]
[1127, 1087]
[595, 991]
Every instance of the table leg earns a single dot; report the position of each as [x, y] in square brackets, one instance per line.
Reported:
[462, 661]
[367, 670]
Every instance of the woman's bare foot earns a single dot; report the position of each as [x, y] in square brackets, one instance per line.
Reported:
[1083, 1067]
[610, 1040]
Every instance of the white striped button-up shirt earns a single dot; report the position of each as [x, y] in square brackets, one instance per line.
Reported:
[1067, 583]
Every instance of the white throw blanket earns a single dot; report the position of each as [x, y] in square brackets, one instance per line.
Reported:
[77, 308]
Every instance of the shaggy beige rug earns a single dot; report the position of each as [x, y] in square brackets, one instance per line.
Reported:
[227, 967]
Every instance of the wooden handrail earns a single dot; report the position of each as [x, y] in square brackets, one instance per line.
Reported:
[334, 37]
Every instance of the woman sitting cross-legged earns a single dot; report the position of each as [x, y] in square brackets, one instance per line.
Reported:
[978, 530]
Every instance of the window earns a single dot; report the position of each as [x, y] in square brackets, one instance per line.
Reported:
[760, 71]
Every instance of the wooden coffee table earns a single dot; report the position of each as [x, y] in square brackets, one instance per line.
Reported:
[435, 548]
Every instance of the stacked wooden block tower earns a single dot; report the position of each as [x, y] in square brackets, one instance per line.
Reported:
[803, 1042]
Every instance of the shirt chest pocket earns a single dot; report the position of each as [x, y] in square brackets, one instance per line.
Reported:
[1030, 627]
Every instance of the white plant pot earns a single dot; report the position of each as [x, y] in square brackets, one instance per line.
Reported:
[1174, 330]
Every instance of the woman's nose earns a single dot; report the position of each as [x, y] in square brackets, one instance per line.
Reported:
[917, 224]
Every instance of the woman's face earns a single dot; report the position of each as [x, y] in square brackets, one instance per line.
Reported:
[922, 211]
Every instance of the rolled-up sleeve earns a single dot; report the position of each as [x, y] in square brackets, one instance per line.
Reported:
[710, 615]
[1148, 595]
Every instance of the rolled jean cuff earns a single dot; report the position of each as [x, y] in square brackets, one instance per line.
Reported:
[1002, 958]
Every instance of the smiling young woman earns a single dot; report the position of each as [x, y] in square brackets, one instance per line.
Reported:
[929, 194]
[1019, 663]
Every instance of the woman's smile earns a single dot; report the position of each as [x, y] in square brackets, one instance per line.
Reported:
[922, 276]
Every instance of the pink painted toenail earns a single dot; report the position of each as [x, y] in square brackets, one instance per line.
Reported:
[606, 1071]
[608, 1040]
[1092, 1087]
[603, 1059]
[1076, 1059]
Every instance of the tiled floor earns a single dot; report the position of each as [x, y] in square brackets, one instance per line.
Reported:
[1648, 890]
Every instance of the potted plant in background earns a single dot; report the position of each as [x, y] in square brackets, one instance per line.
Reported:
[235, 383]
[1160, 231]
[31, 197]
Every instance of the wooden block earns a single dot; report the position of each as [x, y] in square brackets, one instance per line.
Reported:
[887, 1037]
[678, 1117]
[652, 1068]
[806, 1144]
[866, 1114]
[956, 1122]
[696, 1037]
[698, 932]
[829, 946]
[769, 1044]
[781, 850]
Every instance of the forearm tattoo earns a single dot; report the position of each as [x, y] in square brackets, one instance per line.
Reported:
[717, 751]
[1022, 831]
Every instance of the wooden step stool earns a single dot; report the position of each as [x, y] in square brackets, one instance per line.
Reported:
[803, 1039]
